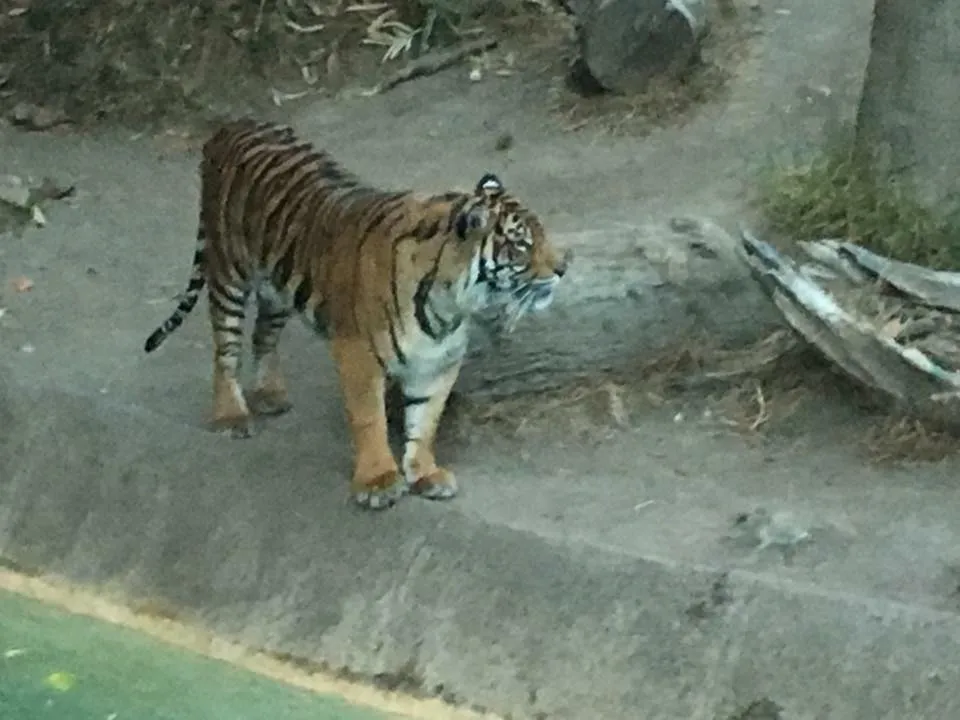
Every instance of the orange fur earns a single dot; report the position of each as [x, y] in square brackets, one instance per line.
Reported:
[392, 278]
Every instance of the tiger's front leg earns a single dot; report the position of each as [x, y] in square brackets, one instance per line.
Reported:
[377, 483]
[424, 400]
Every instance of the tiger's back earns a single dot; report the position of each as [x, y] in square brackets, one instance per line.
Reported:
[390, 277]
[285, 216]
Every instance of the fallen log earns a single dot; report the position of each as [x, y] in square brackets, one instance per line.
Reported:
[893, 326]
[629, 293]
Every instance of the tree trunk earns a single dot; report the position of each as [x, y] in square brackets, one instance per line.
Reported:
[908, 122]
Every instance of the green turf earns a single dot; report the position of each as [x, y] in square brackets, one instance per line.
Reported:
[58, 666]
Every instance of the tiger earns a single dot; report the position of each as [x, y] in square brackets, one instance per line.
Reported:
[391, 279]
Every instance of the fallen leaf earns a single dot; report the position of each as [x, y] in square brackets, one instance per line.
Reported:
[22, 284]
[60, 681]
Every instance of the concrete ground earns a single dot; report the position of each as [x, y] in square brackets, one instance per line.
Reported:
[587, 571]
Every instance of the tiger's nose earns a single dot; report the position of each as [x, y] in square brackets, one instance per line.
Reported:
[561, 269]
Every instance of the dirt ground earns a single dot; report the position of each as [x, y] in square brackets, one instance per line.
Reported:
[663, 476]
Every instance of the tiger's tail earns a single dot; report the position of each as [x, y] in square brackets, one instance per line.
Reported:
[190, 295]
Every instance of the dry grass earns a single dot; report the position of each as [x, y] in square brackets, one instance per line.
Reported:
[779, 381]
[756, 391]
[140, 61]
[894, 440]
[829, 194]
[600, 398]
[751, 390]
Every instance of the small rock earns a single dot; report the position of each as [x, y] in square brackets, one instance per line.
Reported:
[686, 226]
[14, 191]
[35, 117]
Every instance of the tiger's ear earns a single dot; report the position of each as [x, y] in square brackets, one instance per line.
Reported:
[472, 221]
[489, 187]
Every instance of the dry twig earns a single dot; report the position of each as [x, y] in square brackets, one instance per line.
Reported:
[432, 63]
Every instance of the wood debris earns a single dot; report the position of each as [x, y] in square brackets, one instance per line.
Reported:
[893, 326]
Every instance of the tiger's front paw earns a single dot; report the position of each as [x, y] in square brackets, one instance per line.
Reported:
[440, 484]
[236, 426]
[379, 493]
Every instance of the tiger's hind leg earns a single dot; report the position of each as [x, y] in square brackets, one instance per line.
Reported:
[269, 396]
[424, 401]
[230, 410]
[377, 483]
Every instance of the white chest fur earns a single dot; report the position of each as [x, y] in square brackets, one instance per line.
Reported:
[426, 358]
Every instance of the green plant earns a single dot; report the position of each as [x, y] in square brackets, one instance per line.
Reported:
[832, 194]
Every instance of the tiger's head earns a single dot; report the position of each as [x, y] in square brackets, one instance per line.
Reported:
[511, 262]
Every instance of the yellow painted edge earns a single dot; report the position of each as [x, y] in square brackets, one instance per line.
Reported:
[59, 593]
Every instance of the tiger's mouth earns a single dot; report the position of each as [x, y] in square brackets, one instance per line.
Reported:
[534, 296]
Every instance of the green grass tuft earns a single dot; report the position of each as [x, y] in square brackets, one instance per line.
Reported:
[830, 194]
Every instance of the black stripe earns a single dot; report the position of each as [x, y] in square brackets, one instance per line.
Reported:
[394, 341]
[394, 289]
[229, 350]
[420, 299]
[273, 316]
[232, 311]
[235, 341]
[256, 168]
[426, 229]
[373, 349]
[293, 202]
[230, 292]
[411, 401]
[386, 207]
[304, 290]
[455, 211]
[483, 274]
[155, 339]
[284, 200]
[319, 325]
